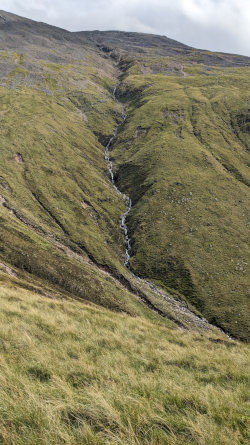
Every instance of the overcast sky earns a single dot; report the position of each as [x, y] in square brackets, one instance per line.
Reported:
[221, 25]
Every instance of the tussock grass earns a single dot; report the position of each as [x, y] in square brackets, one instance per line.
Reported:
[74, 374]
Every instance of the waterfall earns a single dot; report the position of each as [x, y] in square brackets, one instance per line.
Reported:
[123, 224]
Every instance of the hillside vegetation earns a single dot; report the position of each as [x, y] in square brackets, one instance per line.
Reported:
[60, 215]
[183, 158]
[76, 374]
[93, 352]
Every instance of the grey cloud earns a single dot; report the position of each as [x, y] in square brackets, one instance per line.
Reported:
[221, 25]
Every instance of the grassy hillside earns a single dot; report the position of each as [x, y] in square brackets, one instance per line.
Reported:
[75, 374]
[60, 216]
[91, 353]
[183, 157]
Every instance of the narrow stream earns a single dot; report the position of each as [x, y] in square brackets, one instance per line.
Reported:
[179, 307]
[123, 224]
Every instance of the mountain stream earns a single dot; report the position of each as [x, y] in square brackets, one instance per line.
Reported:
[177, 306]
[123, 224]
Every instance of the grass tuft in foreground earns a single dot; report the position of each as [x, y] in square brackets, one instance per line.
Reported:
[77, 374]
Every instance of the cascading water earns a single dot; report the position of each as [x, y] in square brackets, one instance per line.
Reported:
[177, 306]
[123, 224]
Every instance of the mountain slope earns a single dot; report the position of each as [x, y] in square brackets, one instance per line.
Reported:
[60, 214]
[186, 170]
[141, 44]
[183, 158]
[90, 352]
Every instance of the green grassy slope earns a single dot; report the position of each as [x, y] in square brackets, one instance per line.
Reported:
[90, 353]
[183, 158]
[54, 185]
[59, 214]
[181, 155]
[75, 374]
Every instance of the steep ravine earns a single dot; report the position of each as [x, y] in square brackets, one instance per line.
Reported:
[177, 308]
[123, 225]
